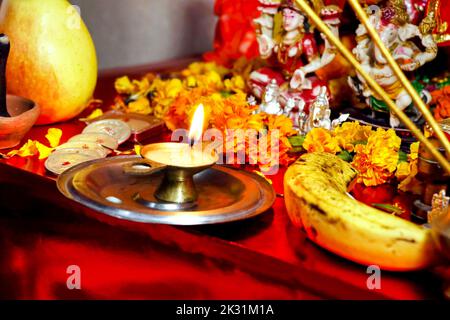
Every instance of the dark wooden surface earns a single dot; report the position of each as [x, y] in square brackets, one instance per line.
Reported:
[42, 233]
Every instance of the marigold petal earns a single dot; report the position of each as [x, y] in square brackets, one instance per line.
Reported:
[53, 136]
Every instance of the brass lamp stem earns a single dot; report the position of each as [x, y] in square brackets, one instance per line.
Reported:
[374, 85]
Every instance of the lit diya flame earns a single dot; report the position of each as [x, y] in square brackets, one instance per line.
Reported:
[184, 155]
[196, 129]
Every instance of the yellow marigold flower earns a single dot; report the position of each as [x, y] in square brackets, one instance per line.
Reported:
[166, 91]
[216, 96]
[235, 84]
[159, 111]
[350, 133]
[54, 136]
[157, 84]
[141, 105]
[123, 85]
[167, 88]
[407, 171]
[142, 85]
[173, 88]
[377, 160]
[200, 68]
[321, 140]
[193, 69]
[213, 79]
[212, 66]
[191, 81]
[414, 150]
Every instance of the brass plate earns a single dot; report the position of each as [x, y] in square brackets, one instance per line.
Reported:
[225, 193]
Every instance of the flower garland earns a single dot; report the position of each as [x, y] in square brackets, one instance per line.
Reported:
[154, 95]
[222, 93]
[375, 154]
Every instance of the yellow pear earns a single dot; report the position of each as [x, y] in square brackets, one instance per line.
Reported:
[52, 60]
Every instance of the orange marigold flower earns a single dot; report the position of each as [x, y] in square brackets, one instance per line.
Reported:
[256, 121]
[441, 98]
[177, 115]
[350, 133]
[282, 123]
[224, 100]
[377, 160]
[321, 140]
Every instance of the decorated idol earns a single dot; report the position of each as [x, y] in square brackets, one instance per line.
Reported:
[288, 44]
[270, 99]
[411, 44]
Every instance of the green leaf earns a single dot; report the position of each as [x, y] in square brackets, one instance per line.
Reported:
[388, 208]
[402, 156]
[226, 94]
[346, 156]
[363, 142]
[296, 150]
[296, 141]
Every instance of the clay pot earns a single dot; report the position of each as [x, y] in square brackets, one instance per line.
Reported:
[23, 115]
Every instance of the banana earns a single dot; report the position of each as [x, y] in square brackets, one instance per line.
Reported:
[317, 200]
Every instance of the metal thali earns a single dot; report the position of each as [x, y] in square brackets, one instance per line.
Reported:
[225, 193]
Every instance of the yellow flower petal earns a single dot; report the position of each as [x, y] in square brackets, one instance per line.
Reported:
[54, 136]
[403, 170]
[142, 85]
[43, 150]
[28, 149]
[174, 87]
[137, 149]
[94, 114]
